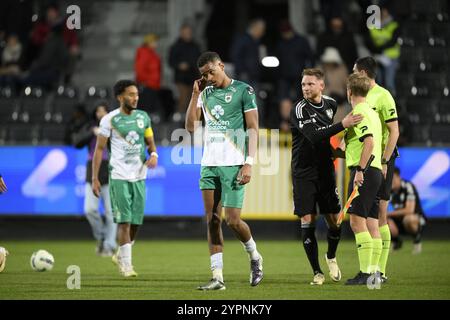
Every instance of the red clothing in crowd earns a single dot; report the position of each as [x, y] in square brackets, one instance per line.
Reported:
[148, 67]
[42, 29]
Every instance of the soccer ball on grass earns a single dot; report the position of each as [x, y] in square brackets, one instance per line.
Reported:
[42, 260]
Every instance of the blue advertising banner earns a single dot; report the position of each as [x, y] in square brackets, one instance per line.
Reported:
[51, 181]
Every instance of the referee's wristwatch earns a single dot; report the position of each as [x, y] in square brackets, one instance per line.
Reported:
[384, 161]
[359, 169]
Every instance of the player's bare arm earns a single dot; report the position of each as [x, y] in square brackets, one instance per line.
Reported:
[394, 133]
[152, 161]
[96, 162]
[193, 113]
[251, 118]
[365, 155]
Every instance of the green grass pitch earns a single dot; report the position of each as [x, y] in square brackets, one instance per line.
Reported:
[172, 269]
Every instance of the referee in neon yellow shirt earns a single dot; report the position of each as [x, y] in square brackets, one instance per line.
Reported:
[361, 142]
[383, 103]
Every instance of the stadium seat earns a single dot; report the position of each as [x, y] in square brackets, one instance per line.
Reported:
[411, 60]
[415, 33]
[435, 59]
[9, 108]
[95, 93]
[33, 106]
[404, 82]
[22, 134]
[52, 134]
[63, 103]
[441, 33]
[440, 133]
[428, 8]
[443, 115]
[430, 84]
[421, 111]
[420, 134]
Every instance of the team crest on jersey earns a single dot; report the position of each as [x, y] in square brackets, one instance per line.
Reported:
[132, 137]
[329, 113]
[217, 111]
[140, 123]
[228, 97]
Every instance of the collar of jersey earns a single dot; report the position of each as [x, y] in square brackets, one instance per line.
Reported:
[232, 81]
[314, 106]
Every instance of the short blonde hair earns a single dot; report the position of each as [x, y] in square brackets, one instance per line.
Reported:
[358, 84]
[313, 72]
[150, 38]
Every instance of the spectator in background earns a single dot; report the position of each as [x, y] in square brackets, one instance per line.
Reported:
[335, 75]
[11, 58]
[51, 66]
[295, 54]
[245, 53]
[285, 115]
[183, 56]
[104, 231]
[41, 31]
[41, 34]
[383, 44]
[147, 67]
[338, 37]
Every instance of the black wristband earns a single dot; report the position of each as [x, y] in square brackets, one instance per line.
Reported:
[359, 169]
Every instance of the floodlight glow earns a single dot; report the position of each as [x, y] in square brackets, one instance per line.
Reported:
[270, 62]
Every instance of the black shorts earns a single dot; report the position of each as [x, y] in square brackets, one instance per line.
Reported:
[385, 189]
[308, 194]
[401, 227]
[366, 205]
[399, 223]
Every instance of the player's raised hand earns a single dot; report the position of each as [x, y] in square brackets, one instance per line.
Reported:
[96, 187]
[351, 120]
[245, 174]
[199, 86]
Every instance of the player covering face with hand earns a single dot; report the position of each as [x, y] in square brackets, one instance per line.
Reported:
[231, 132]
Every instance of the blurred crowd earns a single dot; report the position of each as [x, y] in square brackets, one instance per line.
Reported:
[42, 52]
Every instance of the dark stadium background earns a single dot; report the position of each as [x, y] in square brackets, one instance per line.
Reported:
[34, 119]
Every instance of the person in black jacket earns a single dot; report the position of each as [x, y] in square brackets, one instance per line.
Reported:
[104, 230]
[245, 53]
[295, 54]
[183, 59]
[313, 175]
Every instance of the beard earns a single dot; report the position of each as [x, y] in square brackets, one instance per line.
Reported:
[128, 106]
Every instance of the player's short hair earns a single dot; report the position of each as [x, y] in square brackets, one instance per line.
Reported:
[122, 85]
[369, 65]
[207, 57]
[358, 84]
[313, 72]
[397, 171]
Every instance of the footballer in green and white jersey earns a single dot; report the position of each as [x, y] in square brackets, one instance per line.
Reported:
[225, 130]
[128, 149]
